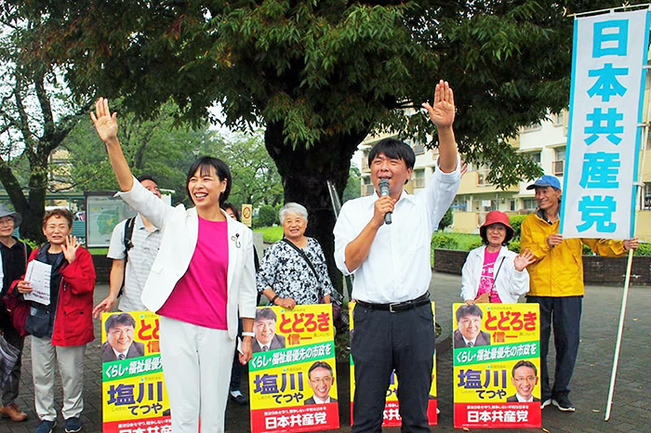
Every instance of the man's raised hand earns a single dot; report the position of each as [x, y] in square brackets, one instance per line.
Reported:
[442, 112]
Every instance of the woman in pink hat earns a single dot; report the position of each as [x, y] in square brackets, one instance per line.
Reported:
[492, 273]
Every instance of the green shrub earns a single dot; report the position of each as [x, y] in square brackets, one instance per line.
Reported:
[586, 250]
[643, 250]
[444, 242]
[266, 216]
[474, 245]
[515, 246]
[516, 223]
[446, 221]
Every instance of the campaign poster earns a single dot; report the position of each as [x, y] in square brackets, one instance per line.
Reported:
[391, 415]
[496, 379]
[134, 398]
[292, 375]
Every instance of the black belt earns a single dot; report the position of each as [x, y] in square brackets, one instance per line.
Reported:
[396, 307]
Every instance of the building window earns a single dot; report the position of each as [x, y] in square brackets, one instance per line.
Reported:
[419, 178]
[557, 118]
[365, 153]
[532, 127]
[534, 156]
[512, 205]
[530, 203]
[646, 203]
[559, 163]
[460, 204]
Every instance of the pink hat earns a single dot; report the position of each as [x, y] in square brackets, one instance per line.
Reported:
[497, 217]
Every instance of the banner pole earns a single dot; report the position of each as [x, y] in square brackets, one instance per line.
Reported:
[629, 266]
[620, 332]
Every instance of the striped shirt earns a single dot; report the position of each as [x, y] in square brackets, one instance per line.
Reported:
[141, 258]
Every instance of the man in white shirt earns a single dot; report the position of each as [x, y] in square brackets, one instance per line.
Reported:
[524, 377]
[137, 253]
[393, 326]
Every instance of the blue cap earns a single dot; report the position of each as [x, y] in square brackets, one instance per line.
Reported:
[544, 181]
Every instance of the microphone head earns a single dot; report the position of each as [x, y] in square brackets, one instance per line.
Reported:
[384, 187]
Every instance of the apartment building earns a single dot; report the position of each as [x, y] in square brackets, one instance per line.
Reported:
[544, 142]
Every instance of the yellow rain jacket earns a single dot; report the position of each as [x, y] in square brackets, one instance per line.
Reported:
[558, 271]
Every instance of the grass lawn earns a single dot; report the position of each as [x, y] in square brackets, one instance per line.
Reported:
[270, 234]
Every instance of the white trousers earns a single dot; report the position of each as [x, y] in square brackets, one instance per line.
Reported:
[197, 365]
[71, 368]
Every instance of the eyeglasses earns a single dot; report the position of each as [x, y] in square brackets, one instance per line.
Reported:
[325, 380]
[6, 220]
[528, 379]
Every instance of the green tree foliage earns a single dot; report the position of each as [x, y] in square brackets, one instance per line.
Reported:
[267, 216]
[37, 113]
[322, 75]
[353, 186]
[255, 177]
[156, 147]
[447, 220]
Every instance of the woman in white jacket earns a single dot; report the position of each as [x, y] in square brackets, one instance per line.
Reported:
[203, 274]
[492, 273]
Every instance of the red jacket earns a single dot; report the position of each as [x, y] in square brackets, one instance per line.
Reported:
[73, 323]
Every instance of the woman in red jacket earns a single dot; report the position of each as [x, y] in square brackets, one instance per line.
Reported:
[61, 329]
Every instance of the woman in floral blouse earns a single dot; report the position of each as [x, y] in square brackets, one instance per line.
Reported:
[294, 271]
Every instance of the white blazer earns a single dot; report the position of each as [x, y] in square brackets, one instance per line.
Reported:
[509, 284]
[180, 230]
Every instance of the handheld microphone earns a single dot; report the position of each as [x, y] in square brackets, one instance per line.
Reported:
[384, 190]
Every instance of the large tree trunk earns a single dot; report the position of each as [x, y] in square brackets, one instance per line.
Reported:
[305, 172]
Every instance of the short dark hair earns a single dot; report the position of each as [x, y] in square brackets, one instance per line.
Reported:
[319, 364]
[524, 363]
[468, 310]
[394, 149]
[144, 177]
[232, 208]
[203, 164]
[119, 319]
[265, 313]
[59, 212]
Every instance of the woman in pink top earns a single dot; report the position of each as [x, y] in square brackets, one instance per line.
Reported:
[492, 273]
[202, 277]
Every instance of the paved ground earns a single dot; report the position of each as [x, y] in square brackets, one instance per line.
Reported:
[590, 384]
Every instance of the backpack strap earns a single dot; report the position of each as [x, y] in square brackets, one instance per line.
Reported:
[128, 244]
[128, 234]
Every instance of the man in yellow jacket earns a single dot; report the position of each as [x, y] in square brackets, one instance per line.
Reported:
[556, 284]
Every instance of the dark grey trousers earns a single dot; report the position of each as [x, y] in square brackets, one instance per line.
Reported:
[383, 342]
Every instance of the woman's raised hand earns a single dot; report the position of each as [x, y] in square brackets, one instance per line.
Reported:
[105, 123]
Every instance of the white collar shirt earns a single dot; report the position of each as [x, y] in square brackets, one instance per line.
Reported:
[317, 400]
[522, 399]
[398, 266]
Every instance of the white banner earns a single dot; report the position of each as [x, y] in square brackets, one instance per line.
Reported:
[604, 136]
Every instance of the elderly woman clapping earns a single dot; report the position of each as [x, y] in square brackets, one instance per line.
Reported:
[492, 273]
[294, 271]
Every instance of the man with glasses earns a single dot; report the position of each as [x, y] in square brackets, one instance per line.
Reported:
[524, 378]
[320, 378]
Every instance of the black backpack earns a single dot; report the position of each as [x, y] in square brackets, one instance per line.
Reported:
[128, 244]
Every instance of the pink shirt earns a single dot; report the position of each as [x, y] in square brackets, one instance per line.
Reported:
[201, 295]
[487, 280]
